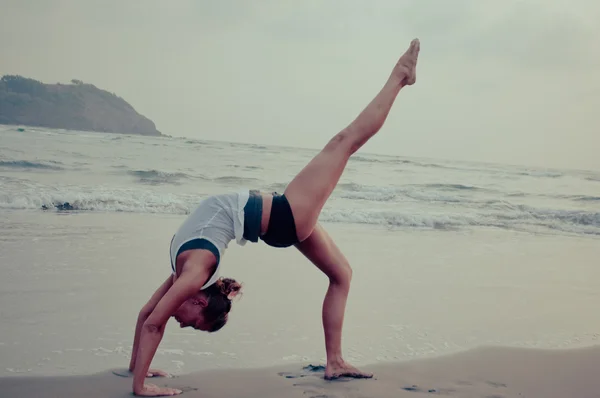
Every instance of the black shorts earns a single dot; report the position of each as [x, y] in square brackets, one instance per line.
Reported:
[282, 227]
[281, 231]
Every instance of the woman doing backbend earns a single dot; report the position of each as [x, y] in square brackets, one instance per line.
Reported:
[195, 295]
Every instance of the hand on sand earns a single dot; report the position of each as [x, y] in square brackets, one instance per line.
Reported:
[157, 373]
[336, 371]
[150, 390]
[406, 67]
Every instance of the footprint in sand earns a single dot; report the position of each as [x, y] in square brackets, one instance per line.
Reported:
[314, 384]
[291, 375]
[122, 372]
[439, 391]
[464, 383]
[315, 391]
[306, 371]
[463, 387]
[126, 373]
[494, 384]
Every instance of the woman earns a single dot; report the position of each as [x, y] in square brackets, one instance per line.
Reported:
[196, 296]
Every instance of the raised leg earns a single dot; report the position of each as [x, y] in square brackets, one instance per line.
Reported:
[310, 189]
[320, 249]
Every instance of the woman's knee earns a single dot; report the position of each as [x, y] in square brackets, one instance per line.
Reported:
[342, 275]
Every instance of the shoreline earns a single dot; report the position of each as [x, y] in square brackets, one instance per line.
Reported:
[82, 279]
[487, 371]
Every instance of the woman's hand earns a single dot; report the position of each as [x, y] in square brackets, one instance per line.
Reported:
[151, 390]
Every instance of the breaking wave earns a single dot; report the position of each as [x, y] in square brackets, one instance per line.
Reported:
[158, 177]
[500, 215]
[582, 198]
[235, 180]
[527, 219]
[444, 193]
[98, 199]
[26, 164]
[155, 177]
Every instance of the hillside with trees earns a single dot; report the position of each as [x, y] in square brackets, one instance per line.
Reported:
[75, 106]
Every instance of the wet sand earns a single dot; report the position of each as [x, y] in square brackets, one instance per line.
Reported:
[72, 285]
[484, 372]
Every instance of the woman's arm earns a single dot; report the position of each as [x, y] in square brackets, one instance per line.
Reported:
[187, 285]
[144, 314]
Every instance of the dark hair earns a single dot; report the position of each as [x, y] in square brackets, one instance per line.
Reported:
[219, 296]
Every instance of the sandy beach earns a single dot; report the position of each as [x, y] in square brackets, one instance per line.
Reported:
[422, 306]
[448, 153]
[482, 373]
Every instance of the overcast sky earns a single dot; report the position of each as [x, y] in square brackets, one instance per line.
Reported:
[504, 81]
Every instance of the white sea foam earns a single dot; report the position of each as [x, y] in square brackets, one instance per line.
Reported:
[490, 213]
[36, 170]
[170, 351]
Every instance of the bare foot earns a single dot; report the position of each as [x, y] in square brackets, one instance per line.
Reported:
[151, 390]
[406, 67]
[335, 371]
[157, 373]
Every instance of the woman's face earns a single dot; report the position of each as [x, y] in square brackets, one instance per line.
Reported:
[190, 314]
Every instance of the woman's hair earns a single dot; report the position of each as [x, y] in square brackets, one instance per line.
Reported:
[219, 296]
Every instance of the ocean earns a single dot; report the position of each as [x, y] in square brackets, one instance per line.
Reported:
[447, 255]
[42, 168]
